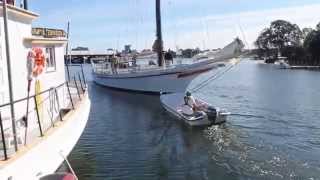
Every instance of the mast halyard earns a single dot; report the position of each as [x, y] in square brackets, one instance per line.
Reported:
[159, 42]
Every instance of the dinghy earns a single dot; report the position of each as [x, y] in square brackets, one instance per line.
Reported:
[207, 114]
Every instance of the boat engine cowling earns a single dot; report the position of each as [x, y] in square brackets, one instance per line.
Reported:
[212, 113]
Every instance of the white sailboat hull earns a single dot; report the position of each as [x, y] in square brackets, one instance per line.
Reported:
[165, 80]
[161, 80]
[47, 155]
[152, 84]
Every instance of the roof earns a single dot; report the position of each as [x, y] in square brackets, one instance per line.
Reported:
[40, 40]
[17, 11]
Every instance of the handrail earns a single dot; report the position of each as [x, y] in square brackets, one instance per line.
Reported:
[23, 99]
[41, 126]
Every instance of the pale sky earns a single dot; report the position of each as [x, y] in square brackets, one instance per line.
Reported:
[102, 24]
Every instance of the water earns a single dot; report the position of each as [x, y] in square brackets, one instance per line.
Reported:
[130, 136]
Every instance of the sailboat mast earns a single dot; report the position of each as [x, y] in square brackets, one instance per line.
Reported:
[6, 35]
[159, 33]
[25, 4]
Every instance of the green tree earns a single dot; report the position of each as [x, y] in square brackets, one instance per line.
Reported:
[263, 43]
[284, 34]
[318, 26]
[306, 31]
[312, 45]
[280, 35]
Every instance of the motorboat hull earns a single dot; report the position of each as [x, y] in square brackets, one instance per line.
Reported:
[173, 103]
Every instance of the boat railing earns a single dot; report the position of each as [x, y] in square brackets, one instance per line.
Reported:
[36, 115]
[105, 68]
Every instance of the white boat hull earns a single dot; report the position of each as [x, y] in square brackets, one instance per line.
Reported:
[197, 122]
[167, 80]
[152, 84]
[174, 104]
[160, 80]
[46, 156]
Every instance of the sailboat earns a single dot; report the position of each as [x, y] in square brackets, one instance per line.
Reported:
[158, 77]
[42, 115]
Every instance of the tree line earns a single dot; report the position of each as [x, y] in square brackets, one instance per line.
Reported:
[301, 47]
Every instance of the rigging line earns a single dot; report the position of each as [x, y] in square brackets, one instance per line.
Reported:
[137, 21]
[214, 77]
[208, 79]
[247, 115]
[243, 35]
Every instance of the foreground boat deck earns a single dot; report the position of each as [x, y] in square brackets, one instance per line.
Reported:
[24, 149]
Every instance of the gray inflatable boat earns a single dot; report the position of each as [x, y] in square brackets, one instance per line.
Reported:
[207, 115]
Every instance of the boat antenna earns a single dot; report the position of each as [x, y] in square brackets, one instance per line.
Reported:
[159, 42]
[6, 35]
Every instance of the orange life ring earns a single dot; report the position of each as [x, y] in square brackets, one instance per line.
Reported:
[37, 59]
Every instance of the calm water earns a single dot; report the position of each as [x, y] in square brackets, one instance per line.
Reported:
[130, 136]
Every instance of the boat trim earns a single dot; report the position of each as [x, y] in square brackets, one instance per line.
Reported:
[194, 72]
[20, 11]
[38, 40]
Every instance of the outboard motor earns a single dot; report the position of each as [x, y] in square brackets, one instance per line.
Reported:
[212, 113]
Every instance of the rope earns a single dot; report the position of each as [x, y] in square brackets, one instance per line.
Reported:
[247, 115]
[212, 78]
[69, 165]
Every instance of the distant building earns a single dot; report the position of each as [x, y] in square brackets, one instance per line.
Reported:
[111, 51]
[80, 49]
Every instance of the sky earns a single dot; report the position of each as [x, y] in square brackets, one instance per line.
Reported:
[207, 24]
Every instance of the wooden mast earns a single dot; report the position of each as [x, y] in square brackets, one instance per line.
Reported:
[159, 41]
[25, 4]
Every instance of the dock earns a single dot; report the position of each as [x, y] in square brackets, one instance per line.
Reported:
[306, 67]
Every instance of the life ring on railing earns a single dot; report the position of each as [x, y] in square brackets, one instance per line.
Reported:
[36, 62]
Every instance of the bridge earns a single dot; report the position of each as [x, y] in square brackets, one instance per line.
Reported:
[83, 55]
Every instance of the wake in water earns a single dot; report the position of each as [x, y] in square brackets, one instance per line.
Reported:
[230, 150]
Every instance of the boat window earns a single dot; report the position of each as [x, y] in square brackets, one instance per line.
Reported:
[50, 59]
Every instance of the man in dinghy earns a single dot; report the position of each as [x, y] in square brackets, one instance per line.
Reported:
[191, 102]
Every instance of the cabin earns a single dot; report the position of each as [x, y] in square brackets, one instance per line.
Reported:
[41, 113]
[22, 39]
